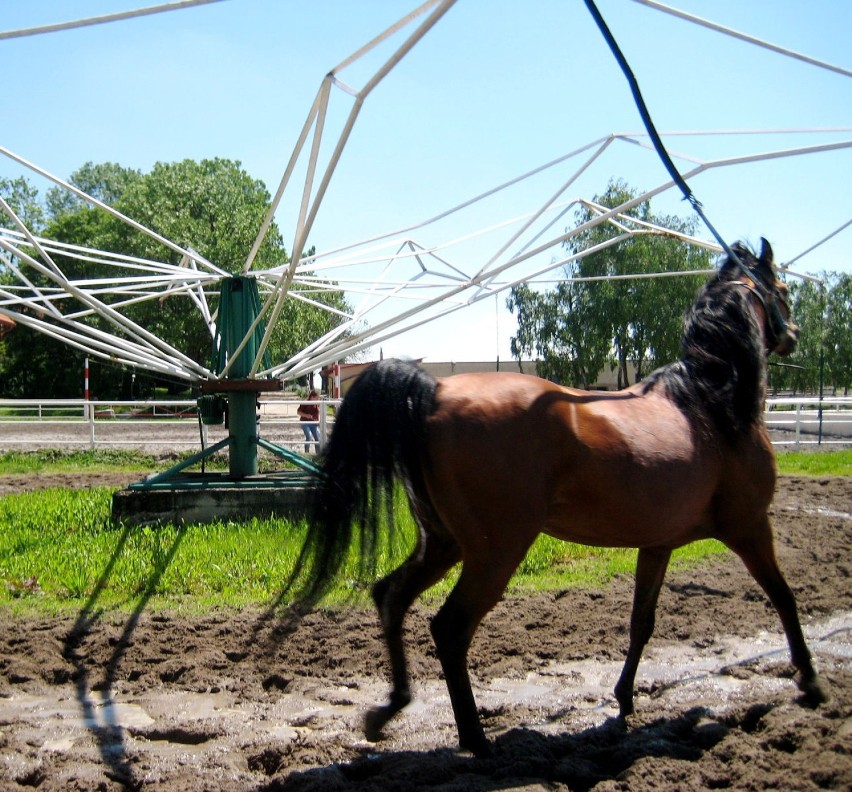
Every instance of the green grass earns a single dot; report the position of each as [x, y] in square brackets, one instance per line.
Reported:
[115, 461]
[815, 463]
[59, 550]
[56, 461]
[809, 463]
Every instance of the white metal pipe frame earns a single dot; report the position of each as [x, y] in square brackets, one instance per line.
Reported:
[396, 281]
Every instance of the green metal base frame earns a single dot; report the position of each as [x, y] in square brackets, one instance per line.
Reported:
[180, 496]
[176, 494]
[205, 498]
[174, 476]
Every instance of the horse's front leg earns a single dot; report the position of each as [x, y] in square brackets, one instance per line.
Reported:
[393, 596]
[758, 554]
[650, 570]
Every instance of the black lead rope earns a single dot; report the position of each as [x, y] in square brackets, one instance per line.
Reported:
[655, 137]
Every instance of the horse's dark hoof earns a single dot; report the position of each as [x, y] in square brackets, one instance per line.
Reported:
[478, 746]
[374, 722]
[814, 691]
[624, 698]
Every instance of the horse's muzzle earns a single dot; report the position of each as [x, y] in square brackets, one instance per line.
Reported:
[787, 340]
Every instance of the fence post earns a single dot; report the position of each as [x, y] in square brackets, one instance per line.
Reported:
[798, 423]
[323, 430]
[91, 409]
[85, 386]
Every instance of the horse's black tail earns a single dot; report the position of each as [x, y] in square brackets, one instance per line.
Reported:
[378, 436]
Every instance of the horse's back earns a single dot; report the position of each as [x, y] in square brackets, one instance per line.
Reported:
[602, 468]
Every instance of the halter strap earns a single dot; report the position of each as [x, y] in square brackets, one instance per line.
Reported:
[776, 323]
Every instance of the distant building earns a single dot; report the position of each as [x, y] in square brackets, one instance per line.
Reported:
[338, 377]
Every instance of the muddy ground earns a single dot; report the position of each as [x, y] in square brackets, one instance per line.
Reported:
[230, 701]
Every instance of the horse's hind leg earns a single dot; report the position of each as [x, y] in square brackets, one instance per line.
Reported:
[483, 579]
[393, 596]
[758, 554]
[650, 570]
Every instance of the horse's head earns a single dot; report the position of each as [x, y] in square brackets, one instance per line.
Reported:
[770, 297]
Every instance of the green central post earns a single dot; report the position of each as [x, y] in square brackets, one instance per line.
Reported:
[239, 306]
[242, 427]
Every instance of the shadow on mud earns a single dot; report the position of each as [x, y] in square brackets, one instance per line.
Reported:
[95, 692]
[521, 757]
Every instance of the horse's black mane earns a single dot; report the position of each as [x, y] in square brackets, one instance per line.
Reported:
[720, 379]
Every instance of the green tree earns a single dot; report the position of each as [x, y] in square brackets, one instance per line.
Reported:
[33, 364]
[838, 331]
[106, 181]
[212, 206]
[578, 328]
[22, 198]
[823, 312]
[557, 328]
[800, 372]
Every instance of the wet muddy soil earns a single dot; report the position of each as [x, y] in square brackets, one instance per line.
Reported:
[242, 701]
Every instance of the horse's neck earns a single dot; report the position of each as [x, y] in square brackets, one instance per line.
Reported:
[724, 358]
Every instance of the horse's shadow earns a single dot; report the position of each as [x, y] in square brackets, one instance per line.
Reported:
[522, 757]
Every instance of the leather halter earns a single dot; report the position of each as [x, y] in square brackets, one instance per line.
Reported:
[776, 324]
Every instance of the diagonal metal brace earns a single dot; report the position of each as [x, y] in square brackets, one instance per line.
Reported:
[172, 471]
[291, 456]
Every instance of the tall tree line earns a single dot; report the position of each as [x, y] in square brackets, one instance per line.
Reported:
[580, 328]
[823, 356]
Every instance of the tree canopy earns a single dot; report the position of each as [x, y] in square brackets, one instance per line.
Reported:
[581, 326]
[823, 311]
[213, 207]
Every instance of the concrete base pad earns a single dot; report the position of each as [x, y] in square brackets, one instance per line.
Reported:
[210, 498]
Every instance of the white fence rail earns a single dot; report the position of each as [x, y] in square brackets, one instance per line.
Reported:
[158, 426]
[808, 422]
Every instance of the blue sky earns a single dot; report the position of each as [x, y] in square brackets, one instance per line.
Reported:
[496, 89]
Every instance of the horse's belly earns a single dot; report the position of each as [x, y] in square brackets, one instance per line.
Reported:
[632, 533]
[643, 512]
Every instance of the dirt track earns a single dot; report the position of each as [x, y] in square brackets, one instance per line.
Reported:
[230, 701]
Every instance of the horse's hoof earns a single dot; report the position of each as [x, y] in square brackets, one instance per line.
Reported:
[814, 691]
[624, 699]
[478, 746]
[374, 722]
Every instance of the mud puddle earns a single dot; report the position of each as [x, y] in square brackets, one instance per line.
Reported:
[192, 728]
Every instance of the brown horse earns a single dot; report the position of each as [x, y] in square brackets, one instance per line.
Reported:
[490, 461]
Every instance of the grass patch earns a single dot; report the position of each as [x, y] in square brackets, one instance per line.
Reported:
[815, 463]
[117, 461]
[58, 548]
[807, 463]
[60, 552]
[56, 461]
[552, 564]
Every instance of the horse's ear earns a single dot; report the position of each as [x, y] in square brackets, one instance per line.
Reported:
[766, 255]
